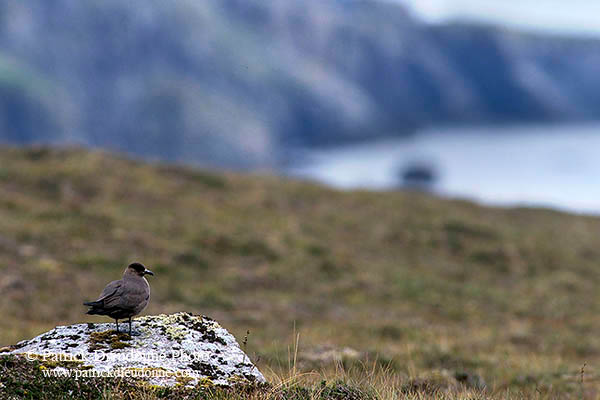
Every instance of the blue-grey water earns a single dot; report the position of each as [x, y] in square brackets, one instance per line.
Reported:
[552, 166]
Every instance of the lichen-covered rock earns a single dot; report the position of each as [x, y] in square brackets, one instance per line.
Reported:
[163, 349]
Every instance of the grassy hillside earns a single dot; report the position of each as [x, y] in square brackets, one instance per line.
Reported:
[433, 291]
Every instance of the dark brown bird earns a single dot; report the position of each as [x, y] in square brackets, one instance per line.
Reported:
[124, 298]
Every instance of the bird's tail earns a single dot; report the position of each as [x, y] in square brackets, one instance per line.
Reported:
[95, 307]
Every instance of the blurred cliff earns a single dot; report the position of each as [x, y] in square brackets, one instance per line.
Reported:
[238, 83]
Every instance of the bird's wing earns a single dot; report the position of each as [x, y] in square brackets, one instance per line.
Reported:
[111, 294]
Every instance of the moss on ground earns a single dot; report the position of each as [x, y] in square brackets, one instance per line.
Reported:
[26, 379]
[113, 339]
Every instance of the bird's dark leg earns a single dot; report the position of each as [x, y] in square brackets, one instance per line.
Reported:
[129, 326]
[117, 322]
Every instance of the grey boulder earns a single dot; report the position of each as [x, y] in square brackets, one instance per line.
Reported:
[177, 348]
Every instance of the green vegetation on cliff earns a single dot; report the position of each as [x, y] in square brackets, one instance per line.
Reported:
[239, 83]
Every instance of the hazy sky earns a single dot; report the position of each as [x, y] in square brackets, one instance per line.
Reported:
[570, 16]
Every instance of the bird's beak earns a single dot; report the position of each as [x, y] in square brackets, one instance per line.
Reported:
[148, 272]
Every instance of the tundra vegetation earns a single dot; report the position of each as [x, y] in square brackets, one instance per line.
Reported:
[337, 295]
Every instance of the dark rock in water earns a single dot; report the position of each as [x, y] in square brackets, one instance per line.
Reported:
[418, 176]
[169, 348]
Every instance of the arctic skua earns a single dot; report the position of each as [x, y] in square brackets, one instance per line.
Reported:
[124, 298]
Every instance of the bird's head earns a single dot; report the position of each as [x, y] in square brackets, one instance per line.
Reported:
[137, 269]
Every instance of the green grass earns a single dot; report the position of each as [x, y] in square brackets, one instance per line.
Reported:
[418, 286]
